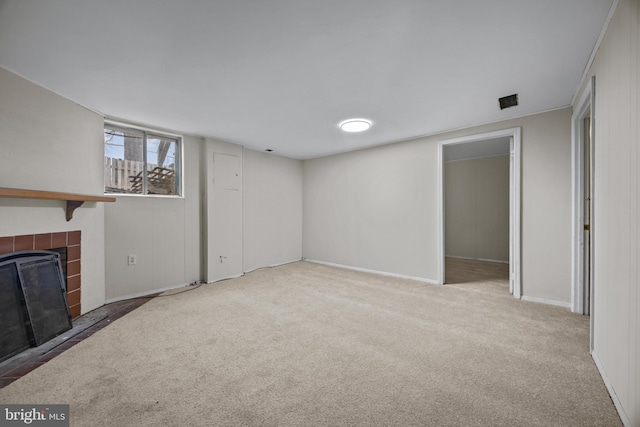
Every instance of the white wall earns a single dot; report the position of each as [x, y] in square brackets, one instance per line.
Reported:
[163, 233]
[546, 206]
[477, 208]
[377, 208]
[254, 219]
[170, 257]
[50, 143]
[272, 209]
[374, 209]
[616, 212]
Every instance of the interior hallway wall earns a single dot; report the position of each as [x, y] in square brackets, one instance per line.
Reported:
[477, 208]
[616, 220]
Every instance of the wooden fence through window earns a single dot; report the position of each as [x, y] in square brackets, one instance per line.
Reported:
[125, 176]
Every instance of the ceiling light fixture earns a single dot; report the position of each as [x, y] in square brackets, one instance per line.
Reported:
[355, 125]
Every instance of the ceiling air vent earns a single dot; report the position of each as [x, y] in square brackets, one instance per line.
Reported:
[508, 101]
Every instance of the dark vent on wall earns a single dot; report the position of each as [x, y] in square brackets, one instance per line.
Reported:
[508, 101]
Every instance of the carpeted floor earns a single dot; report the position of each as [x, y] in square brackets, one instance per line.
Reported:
[311, 345]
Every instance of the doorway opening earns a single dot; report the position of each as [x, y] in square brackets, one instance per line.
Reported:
[487, 145]
[583, 148]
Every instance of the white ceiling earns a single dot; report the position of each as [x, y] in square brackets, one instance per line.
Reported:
[282, 74]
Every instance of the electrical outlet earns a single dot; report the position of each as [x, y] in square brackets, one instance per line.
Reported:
[132, 259]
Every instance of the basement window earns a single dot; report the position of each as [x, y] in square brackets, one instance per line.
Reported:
[138, 161]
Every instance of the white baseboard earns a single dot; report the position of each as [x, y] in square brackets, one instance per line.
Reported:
[366, 270]
[547, 301]
[144, 293]
[235, 276]
[478, 259]
[612, 393]
[274, 265]
[255, 269]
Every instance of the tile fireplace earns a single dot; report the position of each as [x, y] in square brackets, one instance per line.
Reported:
[67, 243]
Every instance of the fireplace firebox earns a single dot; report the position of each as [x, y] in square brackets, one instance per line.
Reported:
[67, 243]
[33, 303]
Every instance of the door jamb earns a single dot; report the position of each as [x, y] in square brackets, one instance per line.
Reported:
[584, 108]
[515, 201]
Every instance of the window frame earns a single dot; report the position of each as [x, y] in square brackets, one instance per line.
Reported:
[147, 133]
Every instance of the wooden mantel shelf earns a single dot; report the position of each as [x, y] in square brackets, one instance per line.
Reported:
[73, 200]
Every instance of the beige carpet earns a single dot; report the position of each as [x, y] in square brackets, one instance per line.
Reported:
[308, 345]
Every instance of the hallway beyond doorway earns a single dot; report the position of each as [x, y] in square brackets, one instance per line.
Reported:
[461, 270]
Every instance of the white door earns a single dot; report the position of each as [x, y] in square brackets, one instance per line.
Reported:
[225, 218]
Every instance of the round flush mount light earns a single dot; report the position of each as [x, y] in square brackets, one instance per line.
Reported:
[355, 125]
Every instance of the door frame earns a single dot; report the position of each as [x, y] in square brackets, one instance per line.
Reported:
[581, 111]
[585, 107]
[515, 203]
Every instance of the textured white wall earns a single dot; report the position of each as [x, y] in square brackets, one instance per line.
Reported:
[50, 143]
[378, 208]
[272, 209]
[255, 225]
[616, 211]
[477, 208]
[163, 232]
[374, 209]
[546, 206]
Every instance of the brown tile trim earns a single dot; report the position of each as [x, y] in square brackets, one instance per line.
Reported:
[75, 311]
[73, 283]
[45, 241]
[73, 268]
[59, 240]
[6, 245]
[73, 297]
[73, 253]
[24, 243]
[73, 238]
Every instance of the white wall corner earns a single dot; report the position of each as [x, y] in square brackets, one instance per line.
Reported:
[563, 304]
[382, 273]
[612, 393]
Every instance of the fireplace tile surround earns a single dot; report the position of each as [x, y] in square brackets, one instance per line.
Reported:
[47, 241]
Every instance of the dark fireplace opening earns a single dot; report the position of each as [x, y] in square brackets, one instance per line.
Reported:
[67, 244]
[33, 300]
[63, 262]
